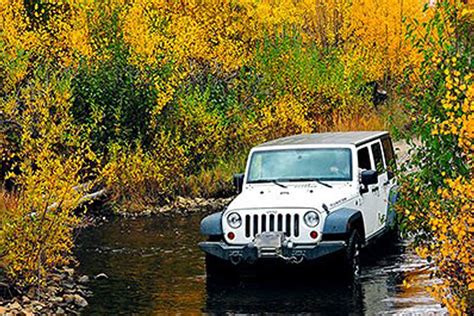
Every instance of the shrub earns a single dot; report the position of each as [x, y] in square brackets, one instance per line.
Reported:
[37, 218]
[438, 190]
[138, 179]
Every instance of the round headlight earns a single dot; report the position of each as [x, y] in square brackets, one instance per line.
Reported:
[234, 220]
[311, 219]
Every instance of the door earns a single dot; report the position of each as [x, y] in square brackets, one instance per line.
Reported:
[369, 201]
[380, 189]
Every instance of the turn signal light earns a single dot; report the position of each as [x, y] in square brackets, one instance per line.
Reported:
[231, 235]
[313, 234]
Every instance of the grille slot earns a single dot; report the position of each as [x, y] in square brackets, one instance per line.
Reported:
[258, 223]
[288, 225]
[247, 226]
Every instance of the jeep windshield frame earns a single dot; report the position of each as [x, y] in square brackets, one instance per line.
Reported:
[315, 164]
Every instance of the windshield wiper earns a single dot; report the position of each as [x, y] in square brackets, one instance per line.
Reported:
[275, 181]
[312, 179]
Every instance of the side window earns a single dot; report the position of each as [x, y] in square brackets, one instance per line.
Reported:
[389, 156]
[377, 153]
[364, 158]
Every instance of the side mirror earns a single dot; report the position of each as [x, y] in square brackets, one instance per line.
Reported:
[369, 177]
[238, 182]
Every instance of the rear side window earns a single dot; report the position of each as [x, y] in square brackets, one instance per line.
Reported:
[377, 153]
[389, 156]
[364, 158]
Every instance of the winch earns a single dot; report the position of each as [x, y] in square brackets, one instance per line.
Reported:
[269, 245]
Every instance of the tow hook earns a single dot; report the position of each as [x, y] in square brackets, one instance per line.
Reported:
[235, 258]
[293, 259]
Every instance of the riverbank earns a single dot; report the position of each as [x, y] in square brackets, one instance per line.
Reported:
[181, 205]
[65, 293]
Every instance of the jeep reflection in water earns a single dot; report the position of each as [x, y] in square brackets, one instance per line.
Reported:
[304, 197]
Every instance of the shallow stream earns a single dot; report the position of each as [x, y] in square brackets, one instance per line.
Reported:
[155, 266]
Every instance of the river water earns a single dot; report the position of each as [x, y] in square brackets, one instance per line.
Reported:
[154, 266]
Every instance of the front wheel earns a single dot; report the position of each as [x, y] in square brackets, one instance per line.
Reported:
[351, 260]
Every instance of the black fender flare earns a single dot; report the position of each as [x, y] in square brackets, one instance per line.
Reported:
[211, 225]
[391, 213]
[341, 222]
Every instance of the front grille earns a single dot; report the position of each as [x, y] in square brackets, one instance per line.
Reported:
[258, 223]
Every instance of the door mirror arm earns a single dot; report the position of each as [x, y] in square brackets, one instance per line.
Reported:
[363, 189]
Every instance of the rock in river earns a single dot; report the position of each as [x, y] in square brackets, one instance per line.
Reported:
[80, 301]
[83, 279]
[101, 276]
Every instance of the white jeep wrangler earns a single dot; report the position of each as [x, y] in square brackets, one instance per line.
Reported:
[304, 197]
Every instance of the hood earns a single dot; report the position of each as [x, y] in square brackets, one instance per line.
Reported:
[295, 195]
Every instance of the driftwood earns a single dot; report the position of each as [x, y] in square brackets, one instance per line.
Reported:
[84, 199]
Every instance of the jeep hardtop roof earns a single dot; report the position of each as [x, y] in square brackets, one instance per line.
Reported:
[341, 138]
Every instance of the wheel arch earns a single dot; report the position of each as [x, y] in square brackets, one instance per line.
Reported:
[340, 223]
[211, 225]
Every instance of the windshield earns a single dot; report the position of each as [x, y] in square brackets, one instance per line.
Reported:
[329, 164]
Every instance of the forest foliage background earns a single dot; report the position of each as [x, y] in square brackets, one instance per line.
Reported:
[152, 99]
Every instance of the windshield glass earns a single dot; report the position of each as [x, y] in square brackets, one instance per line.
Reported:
[329, 164]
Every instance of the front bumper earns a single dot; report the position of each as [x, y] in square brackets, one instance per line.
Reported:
[249, 253]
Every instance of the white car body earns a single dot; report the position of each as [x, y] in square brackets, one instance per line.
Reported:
[269, 217]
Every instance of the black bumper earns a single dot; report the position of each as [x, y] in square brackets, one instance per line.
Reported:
[249, 254]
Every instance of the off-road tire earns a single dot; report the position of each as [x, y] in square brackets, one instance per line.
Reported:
[351, 256]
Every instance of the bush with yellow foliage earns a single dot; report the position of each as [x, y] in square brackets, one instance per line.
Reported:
[438, 192]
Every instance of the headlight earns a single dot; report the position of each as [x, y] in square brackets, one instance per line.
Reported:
[234, 220]
[311, 219]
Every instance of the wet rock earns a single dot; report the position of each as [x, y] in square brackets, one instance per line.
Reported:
[60, 311]
[56, 299]
[69, 271]
[52, 290]
[101, 276]
[68, 285]
[83, 279]
[36, 303]
[15, 305]
[70, 311]
[57, 277]
[68, 298]
[80, 301]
